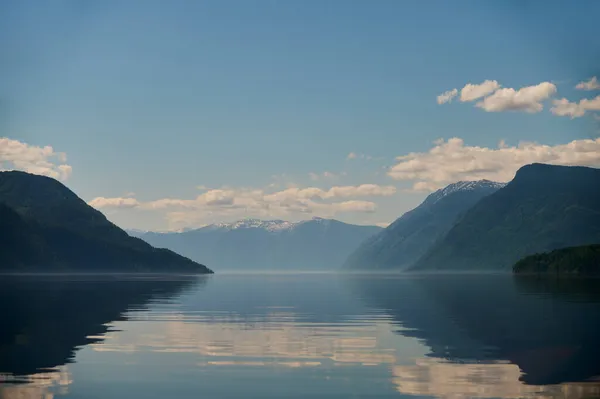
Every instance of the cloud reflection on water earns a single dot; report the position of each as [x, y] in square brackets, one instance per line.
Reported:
[277, 340]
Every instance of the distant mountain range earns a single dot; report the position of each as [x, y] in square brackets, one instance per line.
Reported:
[252, 244]
[45, 227]
[403, 242]
[473, 226]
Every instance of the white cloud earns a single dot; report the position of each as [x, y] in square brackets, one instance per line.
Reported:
[451, 161]
[118, 202]
[447, 96]
[231, 203]
[16, 155]
[527, 99]
[472, 92]
[497, 99]
[591, 84]
[351, 156]
[363, 190]
[564, 107]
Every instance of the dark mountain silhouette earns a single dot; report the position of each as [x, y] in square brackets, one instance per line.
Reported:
[545, 207]
[403, 242]
[46, 227]
[317, 244]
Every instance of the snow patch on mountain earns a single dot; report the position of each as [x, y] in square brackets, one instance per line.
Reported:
[269, 225]
[463, 186]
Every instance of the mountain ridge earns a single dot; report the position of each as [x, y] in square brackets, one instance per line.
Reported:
[47, 227]
[545, 207]
[272, 225]
[409, 237]
[254, 244]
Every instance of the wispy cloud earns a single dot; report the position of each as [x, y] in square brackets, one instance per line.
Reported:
[589, 85]
[354, 155]
[323, 176]
[447, 96]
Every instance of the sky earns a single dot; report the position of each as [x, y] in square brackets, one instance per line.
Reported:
[171, 115]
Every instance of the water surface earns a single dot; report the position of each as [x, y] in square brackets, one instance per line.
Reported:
[298, 336]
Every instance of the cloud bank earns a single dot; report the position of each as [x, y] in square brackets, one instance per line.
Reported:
[16, 155]
[451, 161]
[218, 204]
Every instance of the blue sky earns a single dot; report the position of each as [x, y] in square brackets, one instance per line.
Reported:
[152, 100]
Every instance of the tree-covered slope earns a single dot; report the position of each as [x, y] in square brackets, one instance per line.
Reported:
[582, 260]
[44, 226]
[543, 208]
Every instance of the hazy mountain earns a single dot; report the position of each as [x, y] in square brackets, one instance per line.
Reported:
[403, 242]
[251, 244]
[46, 227]
[543, 208]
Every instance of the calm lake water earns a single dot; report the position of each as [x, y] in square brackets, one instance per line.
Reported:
[298, 336]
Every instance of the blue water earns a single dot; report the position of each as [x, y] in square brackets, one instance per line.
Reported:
[298, 336]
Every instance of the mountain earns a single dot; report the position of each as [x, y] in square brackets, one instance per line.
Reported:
[583, 260]
[545, 207]
[46, 227]
[403, 242]
[251, 244]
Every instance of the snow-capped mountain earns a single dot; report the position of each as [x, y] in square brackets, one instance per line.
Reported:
[253, 244]
[140, 232]
[463, 186]
[268, 225]
[403, 242]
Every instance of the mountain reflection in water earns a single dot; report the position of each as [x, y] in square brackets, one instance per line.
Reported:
[300, 336]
